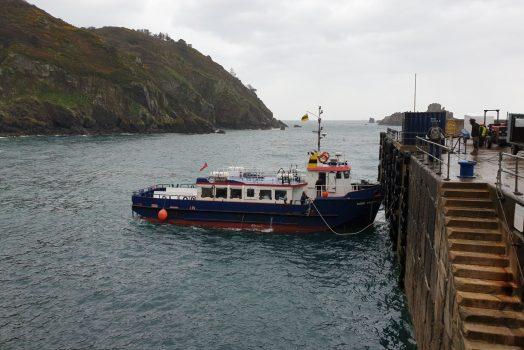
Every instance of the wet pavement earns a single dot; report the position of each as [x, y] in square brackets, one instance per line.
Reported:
[486, 168]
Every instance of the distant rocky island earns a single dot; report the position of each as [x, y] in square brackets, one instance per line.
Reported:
[59, 79]
[395, 119]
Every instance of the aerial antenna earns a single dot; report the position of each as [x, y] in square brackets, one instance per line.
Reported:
[320, 111]
[415, 95]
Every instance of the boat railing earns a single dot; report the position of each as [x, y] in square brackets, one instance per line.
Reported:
[176, 196]
[153, 188]
[255, 174]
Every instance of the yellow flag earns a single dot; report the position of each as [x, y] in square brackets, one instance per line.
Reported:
[304, 118]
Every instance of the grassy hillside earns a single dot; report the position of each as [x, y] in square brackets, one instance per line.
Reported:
[56, 78]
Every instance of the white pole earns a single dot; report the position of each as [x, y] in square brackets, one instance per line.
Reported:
[415, 95]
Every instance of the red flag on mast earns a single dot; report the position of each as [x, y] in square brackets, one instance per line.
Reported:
[203, 166]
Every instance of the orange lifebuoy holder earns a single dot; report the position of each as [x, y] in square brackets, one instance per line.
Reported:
[323, 157]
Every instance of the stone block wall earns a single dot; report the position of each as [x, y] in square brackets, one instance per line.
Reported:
[428, 281]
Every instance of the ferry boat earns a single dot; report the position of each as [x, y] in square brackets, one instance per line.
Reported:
[322, 199]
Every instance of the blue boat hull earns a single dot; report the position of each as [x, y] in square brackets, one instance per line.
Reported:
[357, 209]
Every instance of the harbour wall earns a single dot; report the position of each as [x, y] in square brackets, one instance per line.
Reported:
[411, 205]
[417, 223]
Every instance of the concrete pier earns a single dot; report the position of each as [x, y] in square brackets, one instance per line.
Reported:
[459, 252]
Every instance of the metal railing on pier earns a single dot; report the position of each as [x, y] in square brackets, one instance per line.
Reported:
[404, 137]
[431, 153]
[457, 143]
[514, 172]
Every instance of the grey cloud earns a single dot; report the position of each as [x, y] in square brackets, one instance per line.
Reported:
[357, 53]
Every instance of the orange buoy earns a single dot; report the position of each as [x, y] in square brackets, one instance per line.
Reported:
[325, 194]
[162, 214]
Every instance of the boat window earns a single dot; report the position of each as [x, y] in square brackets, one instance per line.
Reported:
[280, 195]
[339, 174]
[250, 192]
[221, 192]
[207, 192]
[346, 174]
[236, 193]
[265, 194]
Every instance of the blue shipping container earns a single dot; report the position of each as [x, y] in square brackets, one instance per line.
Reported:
[418, 123]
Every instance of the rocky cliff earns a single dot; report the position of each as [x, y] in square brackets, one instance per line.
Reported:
[56, 78]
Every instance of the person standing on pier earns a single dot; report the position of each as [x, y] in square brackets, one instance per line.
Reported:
[435, 135]
[475, 135]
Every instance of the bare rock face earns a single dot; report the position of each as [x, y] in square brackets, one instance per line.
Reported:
[56, 78]
[436, 107]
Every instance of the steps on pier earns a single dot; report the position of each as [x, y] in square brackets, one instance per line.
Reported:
[466, 233]
[480, 345]
[469, 222]
[466, 193]
[482, 272]
[477, 285]
[470, 212]
[490, 311]
[481, 259]
[469, 202]
[495, 334]
[489, 301]
[472, 245]
[512, 319]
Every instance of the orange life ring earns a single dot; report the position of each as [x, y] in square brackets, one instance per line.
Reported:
[323, 157]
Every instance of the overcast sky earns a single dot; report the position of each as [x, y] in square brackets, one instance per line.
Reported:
[354, 57]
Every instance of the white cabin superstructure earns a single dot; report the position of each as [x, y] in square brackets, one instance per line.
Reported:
[325, 177]
[238, 184]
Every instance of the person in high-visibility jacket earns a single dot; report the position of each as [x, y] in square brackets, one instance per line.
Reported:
[483, 135]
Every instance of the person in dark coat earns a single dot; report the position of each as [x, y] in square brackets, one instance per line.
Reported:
[475, 135]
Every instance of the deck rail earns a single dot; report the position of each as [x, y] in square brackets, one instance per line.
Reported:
[158, 186]
[433, 151]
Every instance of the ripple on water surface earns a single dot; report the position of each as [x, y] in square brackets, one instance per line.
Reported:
[78, 271]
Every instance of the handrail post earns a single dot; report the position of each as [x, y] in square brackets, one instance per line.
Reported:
[449, 157]
[439, 158]
[499, 172]
[516, 192]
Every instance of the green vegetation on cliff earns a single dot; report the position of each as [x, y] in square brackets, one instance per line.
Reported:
[56, 78]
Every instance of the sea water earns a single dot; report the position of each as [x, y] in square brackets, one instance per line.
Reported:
[77, 270]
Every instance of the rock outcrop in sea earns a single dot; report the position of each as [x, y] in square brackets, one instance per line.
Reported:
[396, 118]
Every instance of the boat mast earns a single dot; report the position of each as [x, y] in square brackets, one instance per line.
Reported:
[319, 127]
